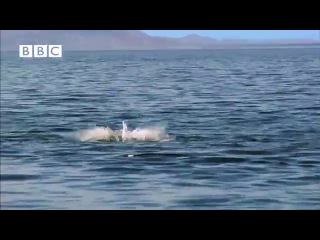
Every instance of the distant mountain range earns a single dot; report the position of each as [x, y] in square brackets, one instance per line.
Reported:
[86, 40]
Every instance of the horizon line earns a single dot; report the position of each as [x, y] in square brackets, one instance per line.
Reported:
[235, 47]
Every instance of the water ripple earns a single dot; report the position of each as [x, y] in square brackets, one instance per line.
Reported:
[246, 126]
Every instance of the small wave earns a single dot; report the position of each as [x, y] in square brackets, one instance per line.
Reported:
[148, 134]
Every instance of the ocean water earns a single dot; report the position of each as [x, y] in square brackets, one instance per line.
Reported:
[246, 127]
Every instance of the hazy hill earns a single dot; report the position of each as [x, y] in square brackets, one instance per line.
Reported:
[121, 40]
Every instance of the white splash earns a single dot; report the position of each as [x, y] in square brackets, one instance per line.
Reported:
[124, 135]
[97, 134]
[143, 134]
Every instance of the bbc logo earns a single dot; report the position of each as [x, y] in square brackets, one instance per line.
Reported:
[40, 51]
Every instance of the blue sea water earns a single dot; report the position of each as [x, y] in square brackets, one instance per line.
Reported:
[246, 124]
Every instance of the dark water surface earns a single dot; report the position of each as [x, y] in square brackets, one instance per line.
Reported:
[246, 122]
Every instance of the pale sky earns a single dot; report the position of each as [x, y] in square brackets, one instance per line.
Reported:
[241, 34]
